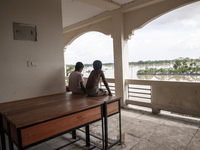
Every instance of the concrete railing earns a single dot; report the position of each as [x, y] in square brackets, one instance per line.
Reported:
[180, 97]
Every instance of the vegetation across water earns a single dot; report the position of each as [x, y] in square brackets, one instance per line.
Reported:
[180, 66]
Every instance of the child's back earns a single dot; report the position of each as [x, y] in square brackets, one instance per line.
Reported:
[93, 79]
[92, 88]
[76, 79]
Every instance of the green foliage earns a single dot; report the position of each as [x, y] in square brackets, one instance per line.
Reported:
[180, 66]
[151, 62]
[69, 70]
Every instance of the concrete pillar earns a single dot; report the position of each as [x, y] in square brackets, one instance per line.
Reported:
[120, 55]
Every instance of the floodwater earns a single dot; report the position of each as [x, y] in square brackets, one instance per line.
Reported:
[109, 73]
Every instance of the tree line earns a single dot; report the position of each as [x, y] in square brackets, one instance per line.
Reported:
[151, 62]
[180, 66]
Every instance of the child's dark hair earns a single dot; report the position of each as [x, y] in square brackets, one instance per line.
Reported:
[97, 65]
[79, 65]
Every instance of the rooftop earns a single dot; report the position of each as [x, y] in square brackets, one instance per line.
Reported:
[141, 130]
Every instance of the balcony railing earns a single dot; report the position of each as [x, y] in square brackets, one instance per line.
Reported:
[139, 92]
[180, 97]
[111, 83]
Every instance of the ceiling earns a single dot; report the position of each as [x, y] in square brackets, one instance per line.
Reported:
[74, 11]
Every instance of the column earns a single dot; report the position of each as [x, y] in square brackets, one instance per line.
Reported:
[120, 55]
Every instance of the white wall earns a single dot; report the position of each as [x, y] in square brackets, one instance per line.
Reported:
[17, 81]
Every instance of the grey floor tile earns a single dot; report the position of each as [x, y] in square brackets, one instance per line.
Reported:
[147, 145]
[128, 141]
[130, 113]
[183, 127]
[42, 146]
[60, 141]
[195, 142]
[156, 119]
[168, 136]
[139, 128]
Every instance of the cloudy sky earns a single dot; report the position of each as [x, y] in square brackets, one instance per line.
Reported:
[173, 35]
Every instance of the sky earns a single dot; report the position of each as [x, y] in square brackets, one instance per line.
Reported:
[173, 35]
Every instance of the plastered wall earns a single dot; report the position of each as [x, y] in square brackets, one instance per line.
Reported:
[17, 80]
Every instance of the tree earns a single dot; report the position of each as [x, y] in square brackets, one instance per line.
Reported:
[177, 64]
[69, 70]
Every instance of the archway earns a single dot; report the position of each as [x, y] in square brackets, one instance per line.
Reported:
[89, 47]
[174, 35]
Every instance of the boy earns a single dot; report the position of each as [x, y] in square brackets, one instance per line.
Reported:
[76, 79]
[92, 88]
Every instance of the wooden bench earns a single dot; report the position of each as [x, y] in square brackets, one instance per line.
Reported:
[32, 121]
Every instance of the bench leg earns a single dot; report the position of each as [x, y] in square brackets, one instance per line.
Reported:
[3, 141]
[106, 126]
[120, 126]
[9, 137]
[87, 129]
[74, 134]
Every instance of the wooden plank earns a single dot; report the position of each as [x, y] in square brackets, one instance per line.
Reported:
[31, 115]
[112, 108]
[42, 131]
[37, 101]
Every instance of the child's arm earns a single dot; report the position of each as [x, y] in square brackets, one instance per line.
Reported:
[83, 87]
[106, 84]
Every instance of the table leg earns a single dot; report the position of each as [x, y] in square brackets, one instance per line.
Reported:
[120, 127]
[74, 134]
[3, 142]
[9, 137]
[106, 126]
[87, 130]
[102, 125]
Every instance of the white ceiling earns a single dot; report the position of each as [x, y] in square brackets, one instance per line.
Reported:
[74, 11]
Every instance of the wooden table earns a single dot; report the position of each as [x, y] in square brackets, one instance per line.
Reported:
[32, 121]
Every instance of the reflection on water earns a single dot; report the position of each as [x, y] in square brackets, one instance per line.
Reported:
[109, 73]
[189, 78]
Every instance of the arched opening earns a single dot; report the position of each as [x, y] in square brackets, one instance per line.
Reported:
[89, 47]
[173, 36]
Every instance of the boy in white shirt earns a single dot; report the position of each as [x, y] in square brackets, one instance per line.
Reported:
[76, 79]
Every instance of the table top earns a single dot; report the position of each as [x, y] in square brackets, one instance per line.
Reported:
[26, 112]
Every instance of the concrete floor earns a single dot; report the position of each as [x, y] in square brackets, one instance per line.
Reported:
[141, 130]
